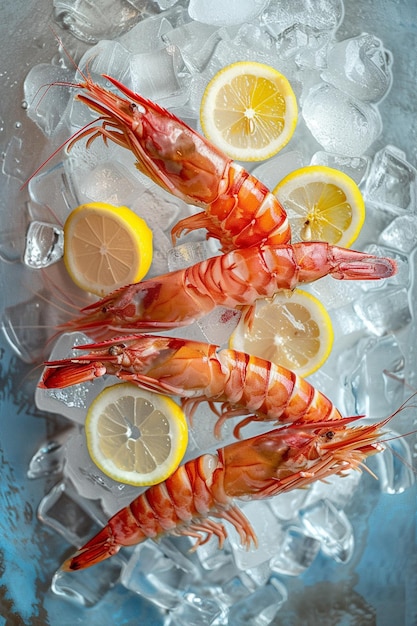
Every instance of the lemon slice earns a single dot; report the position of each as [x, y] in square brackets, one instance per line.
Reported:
[294, 331]
[135, 436]
[249, 111]
[106, 247]
[322, 204]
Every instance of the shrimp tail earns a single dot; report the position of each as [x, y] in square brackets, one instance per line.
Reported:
[99, 548]
[354, 265]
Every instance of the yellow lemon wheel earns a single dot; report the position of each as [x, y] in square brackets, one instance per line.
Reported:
[322, 204]
[249, 111]
[135, 436]
[293, 330]
[106, 247]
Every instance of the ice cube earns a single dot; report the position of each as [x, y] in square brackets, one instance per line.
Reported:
[28, 326]
[106, 57]
[63, 510]
[394, 466]
[44, 244]
[147, 34]
[90, 21]
[401, 234]
[272, 171]
[218, 13]
[49, 459]
[108, 182]
[84, 589]
[55, 189]
[260, 607]
[392, 181]
[154, 576]
[196, 609]
[160, 76]
[331, 527]
[218, 325]
[268, 530]
[13, 163]
[355, 167]
[186, 254]
[286, 505]
[296, 552]
[384, 310]
[307, 46]
[373, 374]
[340, 122]
[338, 489]
[361, 66]
[321, 15]
[196, 41]
[46, 105]
[335, 294]
[90, 482]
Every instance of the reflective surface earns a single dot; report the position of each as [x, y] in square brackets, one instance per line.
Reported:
[379, 584]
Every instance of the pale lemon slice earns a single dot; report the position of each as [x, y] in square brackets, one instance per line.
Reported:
[322, 204]
[135, 436]
[293, 330]
[249, 111]
[106, 247]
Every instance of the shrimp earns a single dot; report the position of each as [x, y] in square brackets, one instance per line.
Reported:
[238, 209]
[256, 468]
[236, 279]
[197, 371]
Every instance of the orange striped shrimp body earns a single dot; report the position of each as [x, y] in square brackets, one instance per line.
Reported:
[235, 279]
[257, 468]
[239, 210]
[197, 371]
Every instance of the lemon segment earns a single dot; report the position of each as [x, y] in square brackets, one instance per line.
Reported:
[106, 247]
[293, 330]
[249, 111]
[322, 204]
[135, 436]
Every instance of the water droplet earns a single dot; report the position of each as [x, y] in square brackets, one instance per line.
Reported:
[24, 105]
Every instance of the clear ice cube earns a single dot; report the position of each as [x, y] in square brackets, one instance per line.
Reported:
[106, 57]
[392, 181]
[384, 310]
[44, 244]
[84, 589]
[28, 325]
[321, 15]
[260, 607]
[331, 527]
[339, 122]
[154, 576]
[286, 505]
[54, 189]
[186, 254]
[296, 552]
[46, 105]
[338, 489]
[273, 170]
[49, 458]
[91, 21]
[401, 234]
[355, 167]
[268, 530]
[195, 610]
[196, 41]
[159, 75]
[108, 182]
[361, 66]
[218, 13]
[65, 511]
[218, 325]
[394, 466]
[373, 376]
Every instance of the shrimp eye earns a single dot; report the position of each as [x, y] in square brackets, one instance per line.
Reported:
[116, 350]
[329, 435]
